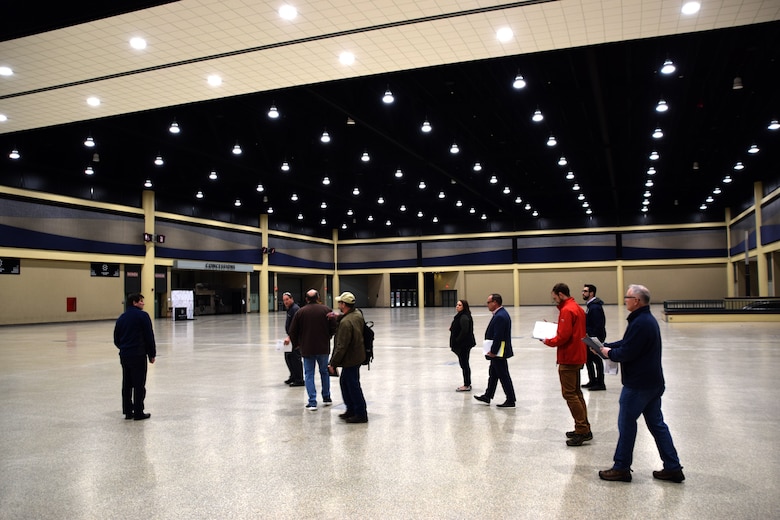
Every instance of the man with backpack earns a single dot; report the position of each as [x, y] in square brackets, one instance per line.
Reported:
[349, 353]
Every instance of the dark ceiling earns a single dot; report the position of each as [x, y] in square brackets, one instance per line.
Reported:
[598, 102]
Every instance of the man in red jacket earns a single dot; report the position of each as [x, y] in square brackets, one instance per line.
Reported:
[571, 357]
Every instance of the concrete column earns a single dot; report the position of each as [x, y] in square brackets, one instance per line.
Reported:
[263, 286]
[761, 256]
[147, 269]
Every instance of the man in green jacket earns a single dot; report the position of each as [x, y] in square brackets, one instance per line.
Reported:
[349, 353]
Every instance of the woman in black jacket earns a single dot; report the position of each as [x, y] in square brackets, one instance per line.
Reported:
[462, 340]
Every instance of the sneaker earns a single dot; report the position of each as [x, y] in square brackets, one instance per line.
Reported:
[327, 401]
[577, 439]
[616, 475]
[665, 474]
[588, 436]
[311, 407]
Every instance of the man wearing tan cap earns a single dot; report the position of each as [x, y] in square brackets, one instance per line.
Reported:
[349, 353]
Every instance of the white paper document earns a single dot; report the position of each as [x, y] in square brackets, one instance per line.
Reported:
[545, 330]
[487, 345]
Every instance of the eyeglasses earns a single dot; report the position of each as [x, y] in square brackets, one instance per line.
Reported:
[630, 298]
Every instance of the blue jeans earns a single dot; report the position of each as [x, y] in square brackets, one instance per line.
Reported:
[308, 375]
[643, 401]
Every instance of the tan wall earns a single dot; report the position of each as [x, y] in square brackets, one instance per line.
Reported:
[379, 290]
[479, 284]
[706, 282]
[446, 281]
[39, 293]
[536, 286]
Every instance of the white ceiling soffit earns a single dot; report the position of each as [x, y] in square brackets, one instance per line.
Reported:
[254, 50]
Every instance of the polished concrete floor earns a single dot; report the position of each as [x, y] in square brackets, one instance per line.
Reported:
[228, 440]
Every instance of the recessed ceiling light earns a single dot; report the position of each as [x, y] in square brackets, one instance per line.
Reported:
[504, 34]
[288, 12]
[138, 43]
[214, 80]
[93, 101]
[6, 71]
[3, 118]
[691, 8]
[346, 58]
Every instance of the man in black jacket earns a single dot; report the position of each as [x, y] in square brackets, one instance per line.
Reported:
[134, 337]
[595, 326]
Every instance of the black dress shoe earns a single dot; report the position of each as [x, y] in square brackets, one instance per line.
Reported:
[674, 476]
[346, 415]
[578, 438]
[356, 419]
[506, 404]
[596, 387]
[128, 416]
[482, 399]
[141, 417]
[586, 385]
[588, 436]
[616, 475]
[297, 383]
[288, 381]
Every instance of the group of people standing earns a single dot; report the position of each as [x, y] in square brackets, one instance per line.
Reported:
[309, 331]
[639, 352]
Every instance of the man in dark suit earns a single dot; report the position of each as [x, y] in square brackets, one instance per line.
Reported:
[499, 332]
[595, 327]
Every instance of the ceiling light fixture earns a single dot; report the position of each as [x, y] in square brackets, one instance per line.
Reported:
[288, 12]
[325, 137]
[483, 217]
[365, 157]
[326, 181]
[270, 210]
[459, 204]
[774, 125]
[138, 43]
[647, 194]
[644, 209]
[727, 179]
[93, 101]
[6, 71]
[507, 191]
[300, 216]
[716, 191]
[581, 196]
[570, 176]
[388, 222]
[14, 154]
[654, 156]
[562, 161]
[199, 195]
[380, 200]
[493, 179]
[504, 34]
[89, 142]
[519, 82]
[402, 208]
[441, 194]
[356, 191]
[426, 126]
[703, 207]
[658, 133]
[213, 175]
[260, 188]
[420, 214]
[350, 212]
[237, 203]
[174, 128]
[551, 141]
[588, 211]
[651, 171]
[388, 97]
[159, 160]
[454, 148]
[3, 118]
[237, 150]
[739, 166]
[148, 183]
[709, 200]
[649, 183]
[753, 149]
[214, 80]
[399, 173]
[518, 200]
[472, 210]
[690, 8]
[435, 219]
[294, 197]
[323, 205]
[668, 67]
[89, 170]
[285, 166]
[737, 84]
[576, 187]
[343, 226]
[537, 117]
[535, 213]
[661, 106]
[477, 167]
[273, 112]
[421, 185]
[346, 58]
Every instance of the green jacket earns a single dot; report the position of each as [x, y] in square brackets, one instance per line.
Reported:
[348, 349]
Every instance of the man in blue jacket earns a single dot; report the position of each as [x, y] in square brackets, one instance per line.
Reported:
[499, 331]
[639, 353]
[134, 337]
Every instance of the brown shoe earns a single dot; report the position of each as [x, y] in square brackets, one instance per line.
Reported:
[617, 475]
[674, 476]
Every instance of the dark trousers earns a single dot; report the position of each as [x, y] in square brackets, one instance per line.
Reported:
[133, 384]
[294, 364]
[463, 359]
[351, 391]
[595, 367]
[499, 371]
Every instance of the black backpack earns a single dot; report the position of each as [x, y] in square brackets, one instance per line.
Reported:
[368, 342]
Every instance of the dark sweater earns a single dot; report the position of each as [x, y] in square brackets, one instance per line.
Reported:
[639, 352]
[133, 334]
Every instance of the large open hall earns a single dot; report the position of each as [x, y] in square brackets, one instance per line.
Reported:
[227, 439]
